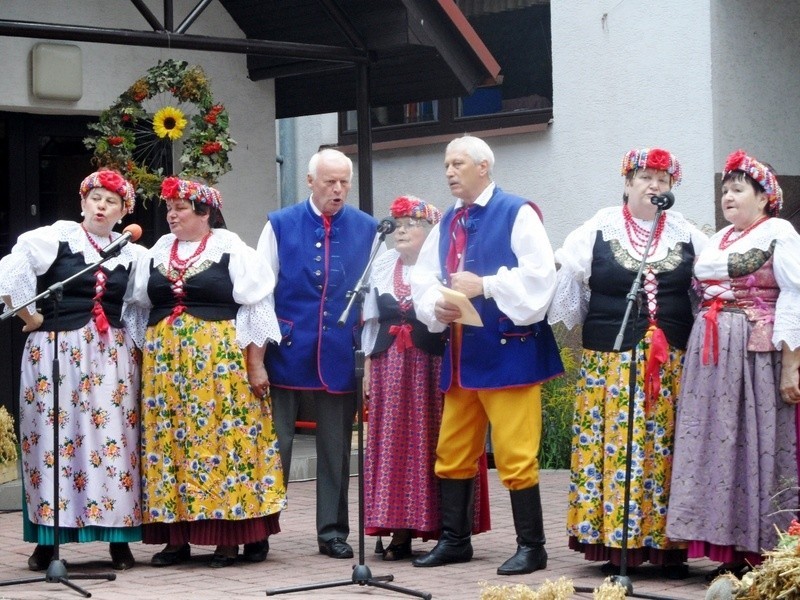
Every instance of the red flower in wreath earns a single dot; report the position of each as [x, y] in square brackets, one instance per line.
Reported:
[211, 117]
[403, 207]
[735, 160]
[115, 140]
[170, 188]
[211, 148]
[658, 159]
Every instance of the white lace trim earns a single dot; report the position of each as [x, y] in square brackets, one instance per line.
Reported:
[255, 320]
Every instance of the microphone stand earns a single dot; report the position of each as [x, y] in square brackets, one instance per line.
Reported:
[633, 297]
[361, 572]
[57, 570]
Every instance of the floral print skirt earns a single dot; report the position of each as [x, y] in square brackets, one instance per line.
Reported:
[98, 438]
[209, 448]
[598, 463]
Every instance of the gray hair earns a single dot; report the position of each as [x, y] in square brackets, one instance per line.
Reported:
[332, 155]
[475, 148]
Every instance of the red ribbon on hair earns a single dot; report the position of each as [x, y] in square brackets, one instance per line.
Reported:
[711, 339]
[402, 334]
[659, 351]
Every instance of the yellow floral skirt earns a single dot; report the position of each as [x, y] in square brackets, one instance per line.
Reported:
[600, 430]
[209, 448]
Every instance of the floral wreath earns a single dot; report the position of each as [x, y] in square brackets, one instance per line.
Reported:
[123, 127]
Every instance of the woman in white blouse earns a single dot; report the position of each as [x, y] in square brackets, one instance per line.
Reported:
[98, 446]
[735, 470]
[210, 464]
[599, 262]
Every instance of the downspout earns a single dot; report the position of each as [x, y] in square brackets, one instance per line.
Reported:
[287, 163]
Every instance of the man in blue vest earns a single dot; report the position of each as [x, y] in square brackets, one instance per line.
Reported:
[490, 246]
[318, 250]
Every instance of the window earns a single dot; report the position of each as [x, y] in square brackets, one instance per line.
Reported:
[519, 39]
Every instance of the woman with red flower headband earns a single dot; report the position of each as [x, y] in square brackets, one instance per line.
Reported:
[405, 404]
[736, 439]
[210, 466]
[599, 262]
[99, 476]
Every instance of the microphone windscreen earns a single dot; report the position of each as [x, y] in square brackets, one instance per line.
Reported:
[135, 231]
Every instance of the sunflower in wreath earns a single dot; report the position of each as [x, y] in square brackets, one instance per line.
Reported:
[168, 111]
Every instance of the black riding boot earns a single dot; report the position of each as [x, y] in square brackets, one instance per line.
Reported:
[526, 506]
[454, 545]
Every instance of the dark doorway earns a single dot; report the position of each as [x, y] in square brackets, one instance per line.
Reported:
[42, 163]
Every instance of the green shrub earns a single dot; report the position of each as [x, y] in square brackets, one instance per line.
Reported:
[558, 406]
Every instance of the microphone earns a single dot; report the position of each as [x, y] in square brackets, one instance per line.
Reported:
[664, 201]
[387, 225]
[130, 234]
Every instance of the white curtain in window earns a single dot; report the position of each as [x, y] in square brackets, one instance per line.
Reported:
[481, 7]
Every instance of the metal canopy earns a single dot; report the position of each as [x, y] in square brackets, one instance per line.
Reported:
[325, 55]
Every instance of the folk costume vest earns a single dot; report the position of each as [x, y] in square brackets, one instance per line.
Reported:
[208, 288]
[613, 271]
[500, 354]
[75, 309]
[317, 269]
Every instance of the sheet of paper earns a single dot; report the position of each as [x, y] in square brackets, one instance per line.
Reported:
[469, 316]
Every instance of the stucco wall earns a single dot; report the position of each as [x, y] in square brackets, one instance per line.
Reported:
[755, 67]
[626, 74]
[249, 190]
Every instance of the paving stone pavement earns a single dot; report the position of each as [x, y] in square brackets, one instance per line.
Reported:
[294, 561]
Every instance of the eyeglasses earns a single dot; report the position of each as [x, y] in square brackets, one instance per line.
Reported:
[409, 223]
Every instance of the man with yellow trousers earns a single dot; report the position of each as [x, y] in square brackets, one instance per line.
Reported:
[491, 247]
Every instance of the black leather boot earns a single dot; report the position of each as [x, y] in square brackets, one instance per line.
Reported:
[526, 506]
[454, 545]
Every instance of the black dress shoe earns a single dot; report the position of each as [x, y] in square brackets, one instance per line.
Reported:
[167, 558]
[336, 548]
[219, 561]
[41, 558]
[256, 552]
[527, 559]
[121, 557]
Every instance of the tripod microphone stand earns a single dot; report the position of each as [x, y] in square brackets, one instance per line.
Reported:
[57, 570]
[361, 572]
[662, 203]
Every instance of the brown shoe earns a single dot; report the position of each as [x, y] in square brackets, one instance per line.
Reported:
[41, 557]
[121, 557]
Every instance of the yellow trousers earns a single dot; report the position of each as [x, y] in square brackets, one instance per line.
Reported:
[516, 418]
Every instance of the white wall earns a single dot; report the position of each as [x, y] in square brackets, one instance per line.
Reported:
[626, 74]
[755, 77]
[249, 190]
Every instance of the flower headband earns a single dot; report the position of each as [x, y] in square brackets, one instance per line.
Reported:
[413, 207]
[113, 182]
[652, 158]
[740, 161]
[175, 188]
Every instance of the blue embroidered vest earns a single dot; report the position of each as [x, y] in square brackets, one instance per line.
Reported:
[316, 272]
[499, 354]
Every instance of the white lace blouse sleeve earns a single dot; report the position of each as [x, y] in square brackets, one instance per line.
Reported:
[34, 253]
[380, 282]
[424, 279]
[253, 283]
[787, 273]
[135, 315]
[571, 301]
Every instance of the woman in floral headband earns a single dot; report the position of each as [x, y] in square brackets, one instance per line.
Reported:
[736, 431]
[99, 389]
[405, 405]
[204, 419]
[599, 262]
